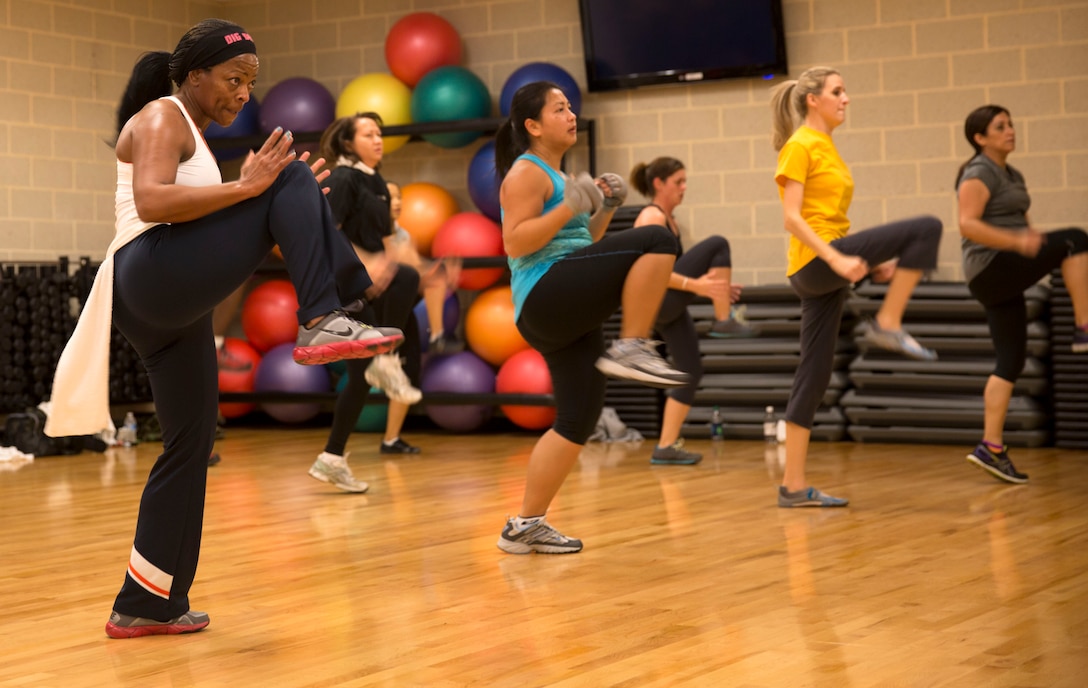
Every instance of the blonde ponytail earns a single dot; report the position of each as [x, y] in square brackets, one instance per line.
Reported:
[789, 103]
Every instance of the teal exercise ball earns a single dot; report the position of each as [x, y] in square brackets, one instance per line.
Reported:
[373, 416]
[447, 94]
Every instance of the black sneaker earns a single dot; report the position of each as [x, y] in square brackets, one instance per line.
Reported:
[998, 465]
[539, 537]
[445, 343]
[675, 455]
[399, 446]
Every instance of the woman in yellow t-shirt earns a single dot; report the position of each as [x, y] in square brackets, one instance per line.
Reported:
[816, 187]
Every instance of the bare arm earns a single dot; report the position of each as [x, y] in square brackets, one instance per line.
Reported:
[158, 139]
[973, 197]
[598, 223]
[851, 268]
[522, 195]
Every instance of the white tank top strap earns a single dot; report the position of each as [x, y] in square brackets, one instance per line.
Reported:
[201, 169]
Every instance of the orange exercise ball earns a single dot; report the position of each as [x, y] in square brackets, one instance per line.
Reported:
[270, 315]
[425, 207]
[490, 329]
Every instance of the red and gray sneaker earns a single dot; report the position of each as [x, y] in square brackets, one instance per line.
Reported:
[125, 626]
[339, 336]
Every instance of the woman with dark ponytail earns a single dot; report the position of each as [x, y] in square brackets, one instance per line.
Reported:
[1003, 254]
[566, 281]
[184, 241]
[706, 269]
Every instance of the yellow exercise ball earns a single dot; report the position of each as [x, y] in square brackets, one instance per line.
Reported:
[380, 93]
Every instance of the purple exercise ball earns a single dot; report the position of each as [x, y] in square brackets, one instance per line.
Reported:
[298, 105]
[278, 372]
[464, 373]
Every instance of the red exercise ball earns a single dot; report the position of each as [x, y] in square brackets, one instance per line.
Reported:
[471, 235]
[420, 42]
[238, 363]
[490, 329]
[526, 373]
[270, 315]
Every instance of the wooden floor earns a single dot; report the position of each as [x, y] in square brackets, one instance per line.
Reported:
[938, 575]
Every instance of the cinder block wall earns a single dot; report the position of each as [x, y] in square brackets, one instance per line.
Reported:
[913, 68]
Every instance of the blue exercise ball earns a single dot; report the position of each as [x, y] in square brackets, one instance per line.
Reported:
[298, 105]
[484, 182]
[540, 71]
[464, 373]
[447, 94]
[451, 315]
[247, 123]
[278, 372]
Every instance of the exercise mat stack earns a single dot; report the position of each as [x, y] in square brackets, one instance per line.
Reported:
[895, 399]
[1069, 372]
[742, 377]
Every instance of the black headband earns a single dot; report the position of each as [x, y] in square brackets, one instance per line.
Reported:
[217, 47]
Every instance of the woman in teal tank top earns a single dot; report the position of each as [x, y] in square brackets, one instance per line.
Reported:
[567, 279]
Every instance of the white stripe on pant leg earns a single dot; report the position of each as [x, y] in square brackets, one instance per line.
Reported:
[151, 578]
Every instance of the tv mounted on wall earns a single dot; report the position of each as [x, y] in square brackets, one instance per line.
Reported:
[631, 43]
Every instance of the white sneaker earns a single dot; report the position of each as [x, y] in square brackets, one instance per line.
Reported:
[387, 374]
[325, 470]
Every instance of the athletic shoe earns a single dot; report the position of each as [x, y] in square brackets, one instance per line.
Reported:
[539, 537]
[339, 336]
[125, 626]
[675, 455]
[338, 475]
[898, 341]
[399, 446]
[387, 374]
[214, 458]
[731, 329]
[229, 363]
[1080, 340]
[637, 359]
[445, 343]
[998, 465]
[809, 496]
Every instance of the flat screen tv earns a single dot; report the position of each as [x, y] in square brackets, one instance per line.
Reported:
[631, 43]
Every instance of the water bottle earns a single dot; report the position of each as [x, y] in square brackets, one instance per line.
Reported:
[770, 430]
[127, 434]
[717, 432]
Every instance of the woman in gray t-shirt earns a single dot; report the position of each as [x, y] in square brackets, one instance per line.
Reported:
[1003, 255]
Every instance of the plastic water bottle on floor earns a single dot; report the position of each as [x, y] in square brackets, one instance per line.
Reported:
[717, 428]
[770, 426]
[126, 436]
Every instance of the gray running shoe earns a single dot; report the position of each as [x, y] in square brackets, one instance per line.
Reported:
[809, 496]
[539, 537]
[124, 626]
[340, 476]
[998, 464]
[387, 374]
[898, 341]
[1080, 340]
[675, 455]
[339, 336]
[637, 359]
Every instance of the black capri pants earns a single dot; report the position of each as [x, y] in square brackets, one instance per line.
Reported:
[823, 293]
[562, 317]
[675, 324]
[1000, 289]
